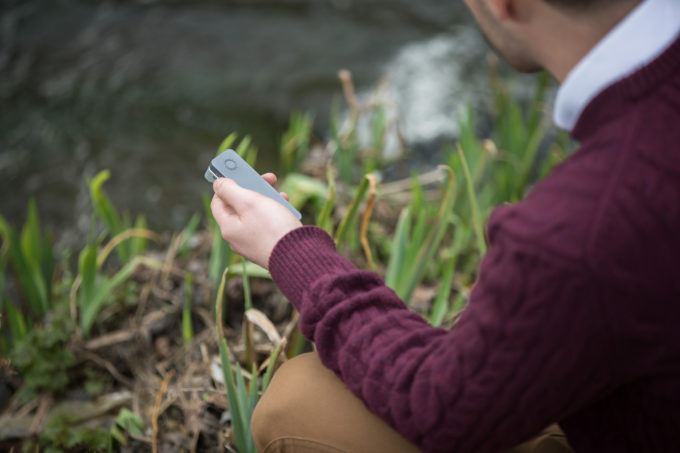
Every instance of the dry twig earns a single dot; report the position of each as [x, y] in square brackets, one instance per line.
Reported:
[370, 203]
[157, 409]
[404, 185]
[348, 89]
[150, 321]
[113, 371]
[43, 408]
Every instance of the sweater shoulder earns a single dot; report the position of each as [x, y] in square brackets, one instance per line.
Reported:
[614, 205]
[556, 217]
[634, 236]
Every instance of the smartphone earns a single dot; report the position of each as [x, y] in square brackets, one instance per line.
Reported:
[230, 165]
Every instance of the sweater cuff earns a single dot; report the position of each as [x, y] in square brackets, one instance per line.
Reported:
[301, 257]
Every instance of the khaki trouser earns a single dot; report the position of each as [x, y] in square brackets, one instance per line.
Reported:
[308, 409]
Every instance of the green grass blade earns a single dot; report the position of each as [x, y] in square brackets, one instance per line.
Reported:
[350, 217]
[31, 240]
[242, 392]
[537, 105]
[40, 286]
[247, 150]
[555, 156]
[246, 286]
[6, 235]
[220, 253]
[295, 141]
[474, 206]
[441, 303]
[469, 141]
[226, 143]
[232, 398]
[378, 128]
[139, 244]
[245, 410]
[227, 372]
[420, 213]
[34, 253]
[516, 130]
[107, 213]
[101, 204]
[16, 321]
[418, 233]
[417, 194]
[22, 270]
[187, 329]
[324, 220]
[528, 161]
[303, 189]
[298, 344]
[188, 233]
[4, 258]
[270, 366]
[399, 242]
[87, 270]
[435, 236]
[253, 388]
[103, 292]
[458, 304]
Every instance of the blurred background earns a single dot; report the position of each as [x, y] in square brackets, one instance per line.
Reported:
[98, 311]
[149, 88]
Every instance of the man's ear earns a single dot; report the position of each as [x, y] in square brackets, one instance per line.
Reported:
[502, 9]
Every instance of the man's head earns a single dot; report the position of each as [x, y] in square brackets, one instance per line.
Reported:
[552, 34]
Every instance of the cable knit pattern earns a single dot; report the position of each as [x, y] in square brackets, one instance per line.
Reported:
[575, 317]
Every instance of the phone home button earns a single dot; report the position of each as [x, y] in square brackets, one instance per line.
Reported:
[230, 164]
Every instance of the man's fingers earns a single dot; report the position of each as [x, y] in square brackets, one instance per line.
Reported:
[222, 212]
[219, 205]
[225, 216]
[270, 178]
[232, 194]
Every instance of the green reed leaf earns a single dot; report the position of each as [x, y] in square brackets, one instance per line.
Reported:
[351, 216]
[324, 220]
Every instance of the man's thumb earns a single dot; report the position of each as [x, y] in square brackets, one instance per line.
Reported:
[231, 193]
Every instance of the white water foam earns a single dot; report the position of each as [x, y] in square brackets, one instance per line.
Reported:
[432, 82]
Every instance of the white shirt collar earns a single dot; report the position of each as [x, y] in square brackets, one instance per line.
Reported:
[637, 40]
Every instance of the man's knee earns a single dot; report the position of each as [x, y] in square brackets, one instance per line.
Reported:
[274, 413]
[260, 423]
[308, 409]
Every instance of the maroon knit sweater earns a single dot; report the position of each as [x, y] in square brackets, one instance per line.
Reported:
[576, 315]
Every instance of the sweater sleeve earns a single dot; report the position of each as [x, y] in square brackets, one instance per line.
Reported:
[528, 350]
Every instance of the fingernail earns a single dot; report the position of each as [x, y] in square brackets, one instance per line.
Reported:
[218, 183]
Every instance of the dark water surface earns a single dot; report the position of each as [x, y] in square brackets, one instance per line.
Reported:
[149, 88]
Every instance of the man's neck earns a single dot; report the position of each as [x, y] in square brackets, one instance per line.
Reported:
[635, 42]
[567, 36]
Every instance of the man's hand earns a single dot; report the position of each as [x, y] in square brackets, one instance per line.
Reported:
[251, 223]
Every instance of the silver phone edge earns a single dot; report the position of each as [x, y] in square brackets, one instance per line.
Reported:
[211, 177]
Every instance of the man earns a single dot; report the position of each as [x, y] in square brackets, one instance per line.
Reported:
[575, 318]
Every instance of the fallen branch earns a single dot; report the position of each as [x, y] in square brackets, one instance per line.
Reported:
[113, 371]
[149, 322]
[404, 185]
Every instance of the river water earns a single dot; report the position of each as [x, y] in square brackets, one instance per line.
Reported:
[149, 88]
